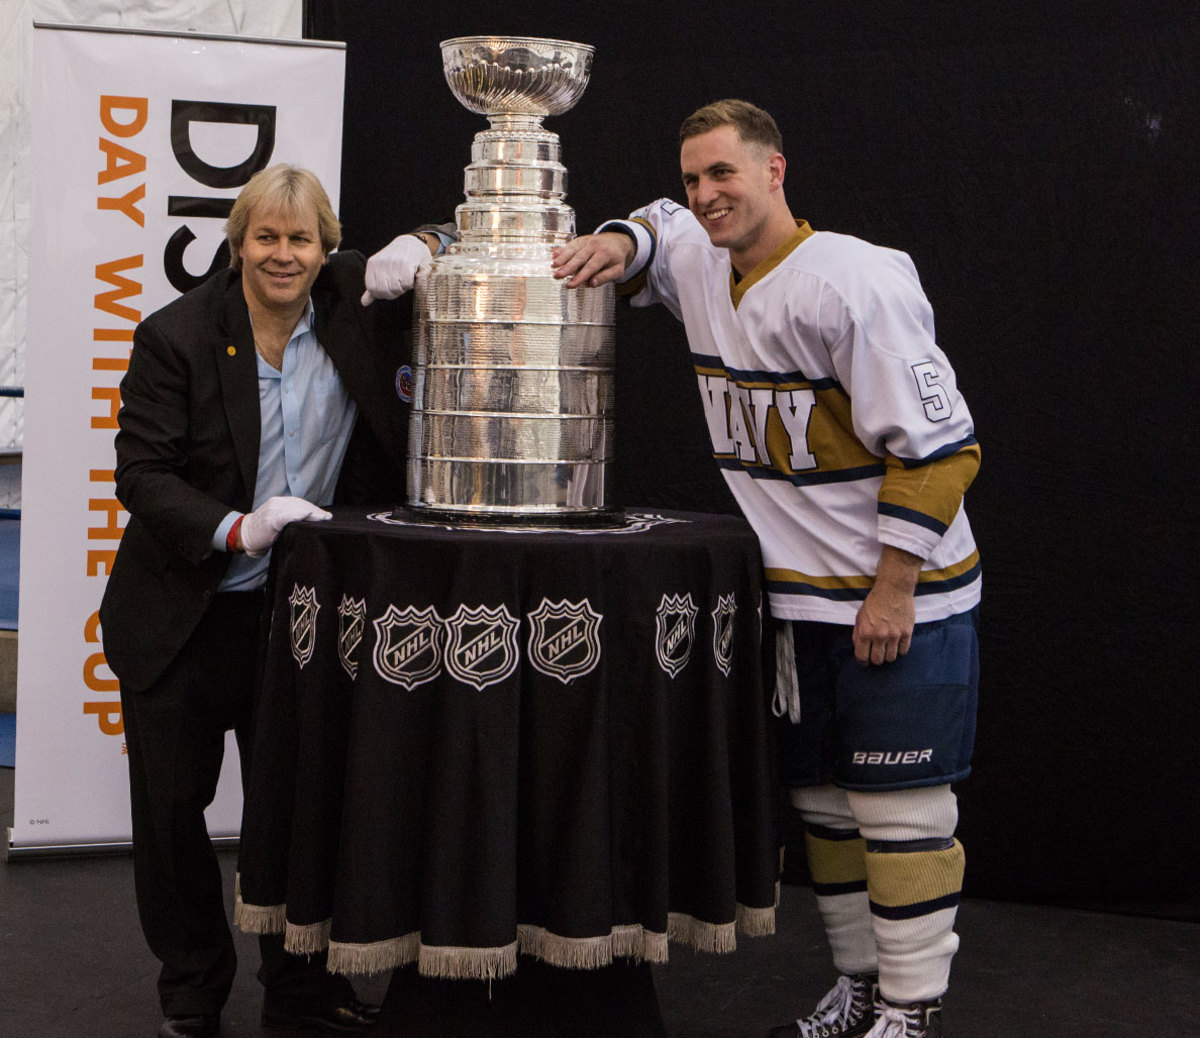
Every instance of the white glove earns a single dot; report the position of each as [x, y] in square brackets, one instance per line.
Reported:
[262, 526]
[393, 269]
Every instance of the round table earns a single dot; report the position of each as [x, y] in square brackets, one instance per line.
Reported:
[478, 741]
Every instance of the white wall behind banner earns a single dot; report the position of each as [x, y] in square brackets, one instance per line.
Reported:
[140, 142]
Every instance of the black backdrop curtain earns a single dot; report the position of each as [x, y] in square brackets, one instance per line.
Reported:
[1039, 164]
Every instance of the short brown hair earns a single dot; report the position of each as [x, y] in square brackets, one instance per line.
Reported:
[753, 125]
[288, 189]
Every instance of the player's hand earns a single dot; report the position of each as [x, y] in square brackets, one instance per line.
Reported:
[260, 527]
[393, 269]
[884, 625]
[593, 259]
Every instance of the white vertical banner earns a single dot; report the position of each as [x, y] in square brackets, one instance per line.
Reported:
[141, 141]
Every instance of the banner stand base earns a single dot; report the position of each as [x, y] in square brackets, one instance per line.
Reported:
[80, 850]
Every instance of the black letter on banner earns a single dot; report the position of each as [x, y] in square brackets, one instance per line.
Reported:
[173, 266]
[184, 113]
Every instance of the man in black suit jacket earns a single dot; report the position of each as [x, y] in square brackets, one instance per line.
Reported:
[249, 402]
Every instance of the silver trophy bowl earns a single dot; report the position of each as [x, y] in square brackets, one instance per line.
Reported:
[512, 415]
[516, 75]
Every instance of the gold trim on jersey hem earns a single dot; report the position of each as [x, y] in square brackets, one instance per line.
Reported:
[737, 289]
[791, 576]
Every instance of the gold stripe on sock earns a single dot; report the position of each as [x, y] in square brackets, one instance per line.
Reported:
[895, 879]
[836, 861]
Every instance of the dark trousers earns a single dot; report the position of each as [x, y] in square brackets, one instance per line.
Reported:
[175, 738]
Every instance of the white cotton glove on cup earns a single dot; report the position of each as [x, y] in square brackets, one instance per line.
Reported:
[393, 269]
[262, 526]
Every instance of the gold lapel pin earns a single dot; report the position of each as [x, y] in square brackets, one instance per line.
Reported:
[231, 350]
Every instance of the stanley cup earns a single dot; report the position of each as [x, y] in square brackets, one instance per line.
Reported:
[513, 372]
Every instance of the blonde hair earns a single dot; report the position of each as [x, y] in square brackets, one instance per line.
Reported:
[289, 190]
[753, 125]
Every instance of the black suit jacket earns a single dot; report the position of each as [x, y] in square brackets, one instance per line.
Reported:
[187, 449]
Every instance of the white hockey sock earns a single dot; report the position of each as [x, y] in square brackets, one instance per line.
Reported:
[914, 873]
[836, 861]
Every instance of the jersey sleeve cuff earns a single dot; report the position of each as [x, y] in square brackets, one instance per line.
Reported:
[642, 239]
[909, 537]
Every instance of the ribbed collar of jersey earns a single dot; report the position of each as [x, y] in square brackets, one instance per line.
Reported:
[737, 289]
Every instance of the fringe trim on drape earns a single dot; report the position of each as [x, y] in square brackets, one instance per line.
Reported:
[450, 963]
[717, 938]
[376, 957]
[755, 922]
[259, 918]
[256, 918]
[305, 940]
[589, 953]
[636, 942]
[468, 963]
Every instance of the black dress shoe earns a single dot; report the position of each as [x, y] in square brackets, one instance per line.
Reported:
[346, 1015]
[202, 1026]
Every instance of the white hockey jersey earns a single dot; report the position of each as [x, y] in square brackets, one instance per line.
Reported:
[834, 416]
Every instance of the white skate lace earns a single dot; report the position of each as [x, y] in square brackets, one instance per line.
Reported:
[895, 1023]
[833, 1009]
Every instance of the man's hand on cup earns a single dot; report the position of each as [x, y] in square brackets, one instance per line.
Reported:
[393, 269]
[260, 527]
[594, 259]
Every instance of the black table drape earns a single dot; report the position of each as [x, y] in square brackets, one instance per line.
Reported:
[477, 741]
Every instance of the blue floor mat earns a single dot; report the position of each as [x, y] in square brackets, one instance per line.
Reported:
[8, 740]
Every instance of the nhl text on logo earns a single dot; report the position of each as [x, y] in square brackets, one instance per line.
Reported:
[722, 618]
[408, 646]
[564, 639]
[304, 622]
[482, 648]
[352, 618]
[675, 623]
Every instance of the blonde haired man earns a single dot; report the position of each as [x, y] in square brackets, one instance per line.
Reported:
[250, 402]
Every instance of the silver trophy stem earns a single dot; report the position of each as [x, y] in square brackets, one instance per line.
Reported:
[511, 122]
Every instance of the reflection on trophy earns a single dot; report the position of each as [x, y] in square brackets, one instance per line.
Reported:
[513, 373]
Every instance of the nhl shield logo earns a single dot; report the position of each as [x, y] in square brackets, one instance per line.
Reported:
[482, 646]
[564, 642]
[676, 625]
[408, 646]
[352, 618]
[722, 618]
[304, 622]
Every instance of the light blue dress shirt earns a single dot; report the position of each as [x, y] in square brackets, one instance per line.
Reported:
[307, 418]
